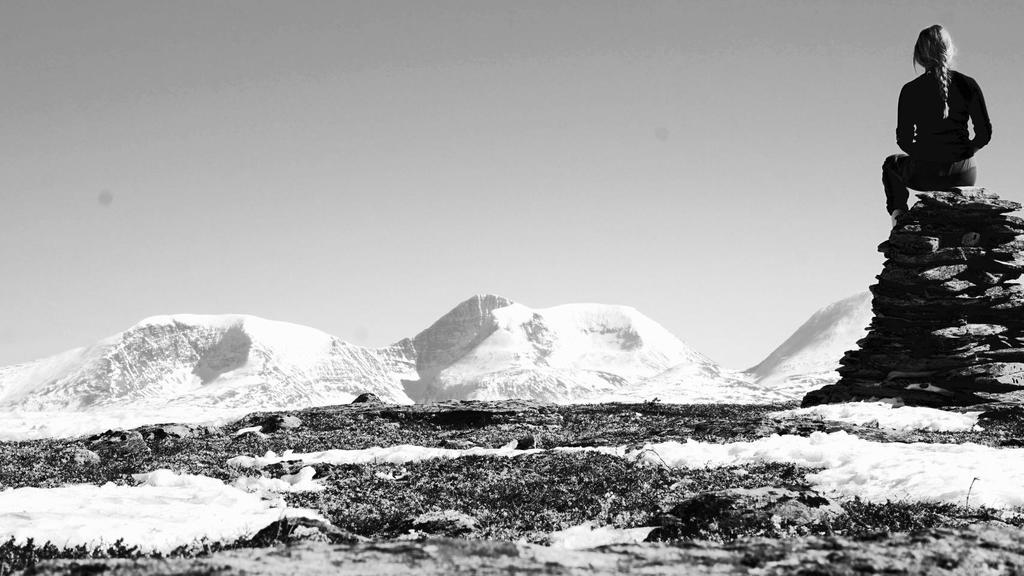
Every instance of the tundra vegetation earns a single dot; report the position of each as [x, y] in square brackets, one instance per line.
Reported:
[487, 514]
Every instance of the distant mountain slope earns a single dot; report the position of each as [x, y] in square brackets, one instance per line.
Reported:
[808, 359]
[700, 383]
[225, 361]
[489, 348]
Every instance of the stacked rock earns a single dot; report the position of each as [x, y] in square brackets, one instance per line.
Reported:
[948, 326]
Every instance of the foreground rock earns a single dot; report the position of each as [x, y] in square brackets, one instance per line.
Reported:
[978, 549]
[948, 326]
[737, 511]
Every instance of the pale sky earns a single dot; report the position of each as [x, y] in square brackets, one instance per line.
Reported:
[363, 167]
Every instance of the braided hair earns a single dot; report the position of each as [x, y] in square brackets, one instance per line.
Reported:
[935, 52]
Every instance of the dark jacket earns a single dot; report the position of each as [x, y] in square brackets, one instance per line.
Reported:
[923, 133]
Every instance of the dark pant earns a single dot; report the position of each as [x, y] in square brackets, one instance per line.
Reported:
[900, 172]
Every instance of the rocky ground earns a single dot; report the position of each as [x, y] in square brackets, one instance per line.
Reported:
[496, 515]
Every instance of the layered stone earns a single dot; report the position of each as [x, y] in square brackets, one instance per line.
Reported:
[948, 326]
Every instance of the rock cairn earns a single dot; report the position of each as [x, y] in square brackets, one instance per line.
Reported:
[948, 326]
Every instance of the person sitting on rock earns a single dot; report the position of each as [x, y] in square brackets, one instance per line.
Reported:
[931, 126]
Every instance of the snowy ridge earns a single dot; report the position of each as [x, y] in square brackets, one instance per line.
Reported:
[808, 359]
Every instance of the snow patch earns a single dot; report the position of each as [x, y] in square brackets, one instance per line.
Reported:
[889, 415]
[589, 536]
[301, 481]
[874, 471]
[256, 430]
[400, 454]
[164, 511]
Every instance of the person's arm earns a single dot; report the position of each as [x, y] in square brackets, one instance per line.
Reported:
[905, 123]
[979, 119]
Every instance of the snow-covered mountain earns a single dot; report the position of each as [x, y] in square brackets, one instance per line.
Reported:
[491, 348]
[487, 347]
[808, 359]
[230, 361]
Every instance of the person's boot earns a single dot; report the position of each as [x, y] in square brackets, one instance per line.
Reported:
[896, 215]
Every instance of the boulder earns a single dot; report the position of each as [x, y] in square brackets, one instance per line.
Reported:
[367, 398]
[297, 529]
[528, 442]
[276, 422]
[457, 444]
[82, 456]
[119, 444]
[733, 512]
[162, 432]
[449, 523]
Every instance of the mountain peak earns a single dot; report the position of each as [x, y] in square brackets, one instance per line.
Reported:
[483, 303]
[455, 333]
[489, 347]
